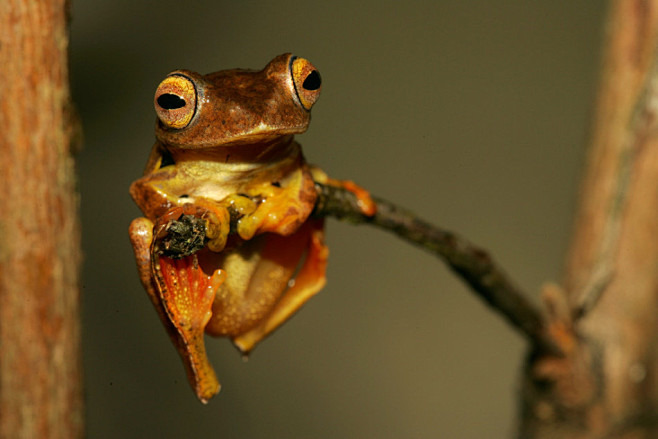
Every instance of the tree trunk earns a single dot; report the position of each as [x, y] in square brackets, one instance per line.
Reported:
[606, 314]
[40, 368]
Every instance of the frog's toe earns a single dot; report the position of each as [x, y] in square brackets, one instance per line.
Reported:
[217, 222]
[366, 204]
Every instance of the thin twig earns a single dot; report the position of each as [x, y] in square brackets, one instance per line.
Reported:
[471, 263]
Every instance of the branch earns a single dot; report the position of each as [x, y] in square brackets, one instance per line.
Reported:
[471, 263]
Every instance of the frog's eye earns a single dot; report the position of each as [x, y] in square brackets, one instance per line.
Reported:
[175, 101]
[307, 82]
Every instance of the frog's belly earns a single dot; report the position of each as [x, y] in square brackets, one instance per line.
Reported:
[258, 273]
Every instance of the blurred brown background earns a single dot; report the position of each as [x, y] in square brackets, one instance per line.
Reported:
[472, 114]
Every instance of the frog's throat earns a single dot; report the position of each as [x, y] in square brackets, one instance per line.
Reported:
[256, 151]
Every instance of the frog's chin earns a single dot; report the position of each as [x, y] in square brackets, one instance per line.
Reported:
[264, 138]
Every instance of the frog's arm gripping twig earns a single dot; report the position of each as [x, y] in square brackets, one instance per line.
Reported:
[471, 263]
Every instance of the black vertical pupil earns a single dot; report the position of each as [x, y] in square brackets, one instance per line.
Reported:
[170, 101]
[313, 81]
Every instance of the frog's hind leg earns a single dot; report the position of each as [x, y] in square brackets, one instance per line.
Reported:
[309, 280]
[175, 287]
[187, 294]
[141, 237]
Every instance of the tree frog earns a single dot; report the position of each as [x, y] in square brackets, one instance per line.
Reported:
[225, 150]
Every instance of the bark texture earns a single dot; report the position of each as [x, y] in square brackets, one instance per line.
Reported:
[40, 368]
[605, 317]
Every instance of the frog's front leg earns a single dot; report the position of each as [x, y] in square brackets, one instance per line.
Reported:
[280, 207]
[182, 295]
[160, 198]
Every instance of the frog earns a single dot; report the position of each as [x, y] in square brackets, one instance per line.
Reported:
[225, 161]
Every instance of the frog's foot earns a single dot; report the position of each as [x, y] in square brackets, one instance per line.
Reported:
[365, 202]
[187, 294]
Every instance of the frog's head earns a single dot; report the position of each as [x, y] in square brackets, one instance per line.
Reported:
[238, 106]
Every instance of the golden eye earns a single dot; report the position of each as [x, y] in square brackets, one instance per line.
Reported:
[175, 101]
[307, 81]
